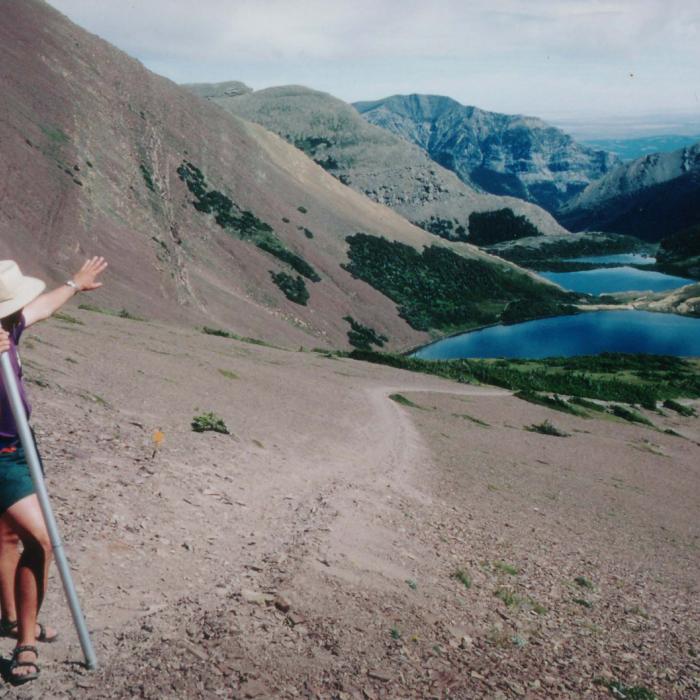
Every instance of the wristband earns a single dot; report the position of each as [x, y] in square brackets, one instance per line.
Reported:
[73, 285]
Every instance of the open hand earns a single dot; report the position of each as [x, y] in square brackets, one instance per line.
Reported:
[88, 274]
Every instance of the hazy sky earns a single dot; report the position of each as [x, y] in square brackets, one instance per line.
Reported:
[569, 61]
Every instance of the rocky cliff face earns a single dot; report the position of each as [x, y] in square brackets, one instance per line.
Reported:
[652, 197]
[372, 160]
[498, 153]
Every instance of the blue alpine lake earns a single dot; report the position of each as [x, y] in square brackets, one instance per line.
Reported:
[587, 333]
[615, 279]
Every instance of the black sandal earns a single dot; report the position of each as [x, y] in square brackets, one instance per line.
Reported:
[10, 628]
[15, 663]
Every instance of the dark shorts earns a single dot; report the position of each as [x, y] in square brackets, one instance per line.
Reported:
[15, 479]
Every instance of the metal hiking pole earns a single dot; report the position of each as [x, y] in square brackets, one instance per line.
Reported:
[32, 456]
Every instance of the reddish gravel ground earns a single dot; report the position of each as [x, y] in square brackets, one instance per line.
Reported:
[339, 544]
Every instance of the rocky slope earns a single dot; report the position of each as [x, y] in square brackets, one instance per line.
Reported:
[500, 153]
[651, 198]
[316, 551]
[369, 159]
[193, 207]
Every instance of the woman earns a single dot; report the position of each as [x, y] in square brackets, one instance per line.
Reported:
[23, 577]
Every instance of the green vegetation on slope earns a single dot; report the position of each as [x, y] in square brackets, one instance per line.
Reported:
[633, 379]
[439, 288]
[293, 288]
[680, 253]
[244, 224]
[489, 227]
[363, 337]
[548, 254]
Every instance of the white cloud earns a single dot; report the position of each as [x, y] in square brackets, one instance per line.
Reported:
[532, 56]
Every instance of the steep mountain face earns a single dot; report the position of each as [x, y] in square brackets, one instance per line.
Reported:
[205, 218]
[371, 160]
[651, 198]
[499, 153]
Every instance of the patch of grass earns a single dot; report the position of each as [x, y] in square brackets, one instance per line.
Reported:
[590, 405]
[122, 313]
[67, 318]
[401, 399]
[626, 692]
[228, 374]
[583, 582]
[463, 577]
[546, 428]
[555, 402]
[294, 288]
[583, 602]
[363, 337]
[633, 379]
[233, 336]
[687, 411]
[209, 421]
[511, 599]
[629, 414]
[147, 177]
[466, 416]
[53, 133]
[506, 568]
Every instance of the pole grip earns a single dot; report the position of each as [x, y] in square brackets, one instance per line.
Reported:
[32, 456]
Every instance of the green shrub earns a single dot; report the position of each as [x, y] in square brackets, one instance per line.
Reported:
[363, 337]
[489, 227]
[401, 399]
[629, 414]
[546, 428]
[209, 421]
[293, 288]
[583, 582]
[687, 411]
[303, 210]
[463, 577]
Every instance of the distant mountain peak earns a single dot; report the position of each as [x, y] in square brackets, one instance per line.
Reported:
[504, 154]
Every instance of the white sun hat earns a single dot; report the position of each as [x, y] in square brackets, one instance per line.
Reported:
[16, 289]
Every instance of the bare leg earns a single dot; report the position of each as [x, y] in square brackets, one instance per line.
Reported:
[9, 559]
[26, 519]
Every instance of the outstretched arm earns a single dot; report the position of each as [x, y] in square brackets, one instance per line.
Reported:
[85, 280]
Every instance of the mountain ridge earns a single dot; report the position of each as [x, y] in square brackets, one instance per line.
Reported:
[517, 155]
[652, 197]
[372, 160]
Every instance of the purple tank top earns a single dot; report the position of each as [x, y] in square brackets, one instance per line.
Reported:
[8, 429]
